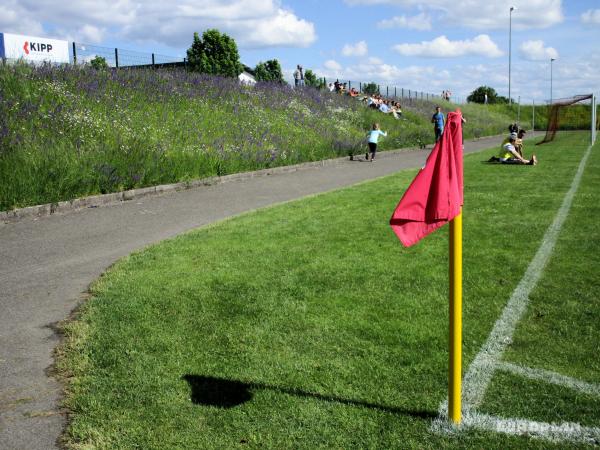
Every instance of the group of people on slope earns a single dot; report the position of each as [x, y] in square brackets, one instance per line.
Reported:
[342, 88]
[383, 105]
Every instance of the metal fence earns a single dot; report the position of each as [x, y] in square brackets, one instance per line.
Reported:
[392, 92]
[116, 57]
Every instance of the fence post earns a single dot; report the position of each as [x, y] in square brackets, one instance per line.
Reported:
[185, 63]
[378, 89]
[74, 54]
[116, 57]
[360, 86]
[533, 118]
[349, 84]
[152, 60]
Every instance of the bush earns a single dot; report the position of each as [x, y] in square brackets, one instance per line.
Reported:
[214, 54]
[371, 88]
[310, 79]
[99, 63]
[269, 71]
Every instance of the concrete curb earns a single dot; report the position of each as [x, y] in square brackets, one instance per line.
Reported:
[96, 201]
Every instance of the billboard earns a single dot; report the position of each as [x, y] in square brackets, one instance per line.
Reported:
[33, 49]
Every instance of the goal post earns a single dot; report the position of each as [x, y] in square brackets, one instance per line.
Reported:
[577, 113]
[594, 120]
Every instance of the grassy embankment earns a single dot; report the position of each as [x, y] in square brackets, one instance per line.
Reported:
[67, 132]
[281, 329]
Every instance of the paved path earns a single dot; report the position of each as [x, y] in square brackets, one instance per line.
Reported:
[46, 265]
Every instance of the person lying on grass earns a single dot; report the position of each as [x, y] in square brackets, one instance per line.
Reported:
[509, 155]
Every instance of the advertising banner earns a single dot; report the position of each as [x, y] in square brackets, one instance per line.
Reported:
[31, 48]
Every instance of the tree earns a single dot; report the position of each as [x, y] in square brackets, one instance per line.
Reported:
[310, 79]
[478, 96]
[269, 71]
[99, 63]
[215, 54]
[370, 88]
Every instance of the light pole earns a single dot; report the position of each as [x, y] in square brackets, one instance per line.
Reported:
[551, 59]
[512, 8]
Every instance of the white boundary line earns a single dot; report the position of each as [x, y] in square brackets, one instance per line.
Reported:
[486, 362]
[556, 432]
[551, 377]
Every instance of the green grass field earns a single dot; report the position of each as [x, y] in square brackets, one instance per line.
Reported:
[308, 325]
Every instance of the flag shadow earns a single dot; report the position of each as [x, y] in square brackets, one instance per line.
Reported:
[224, 393]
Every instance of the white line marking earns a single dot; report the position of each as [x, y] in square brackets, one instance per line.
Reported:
[482, 368]
[566, 431]
[551, 377]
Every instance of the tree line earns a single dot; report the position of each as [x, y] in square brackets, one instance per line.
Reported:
[216, 53]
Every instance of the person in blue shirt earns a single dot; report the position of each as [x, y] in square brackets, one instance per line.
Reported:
[438, 123]
[373, 138]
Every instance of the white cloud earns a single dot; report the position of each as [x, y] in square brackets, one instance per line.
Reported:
[91, 34]
[442, 47]
[12, 20]
[485, 15]
[358, 49]
[332, 65]
[253, 23]
[374, 60]
[591, 16]
[374, 69]
[535, 51]
[421, 22]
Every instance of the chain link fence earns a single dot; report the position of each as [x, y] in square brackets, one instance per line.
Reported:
[115, 57]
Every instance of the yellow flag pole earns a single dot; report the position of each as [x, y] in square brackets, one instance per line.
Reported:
[455, 341]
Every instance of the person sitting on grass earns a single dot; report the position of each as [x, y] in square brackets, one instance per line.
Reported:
[397, 110]
[373, 138]
[384, 108]
[509, 155]
[519, 141]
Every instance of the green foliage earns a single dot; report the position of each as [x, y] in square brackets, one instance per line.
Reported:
[269, 71]
[310, 79]
[99, 63]
[370, 88]
[335, 341]
[478, 96]
[214, 54]
[72, 131]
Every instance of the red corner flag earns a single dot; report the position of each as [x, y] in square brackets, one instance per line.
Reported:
[436, 194]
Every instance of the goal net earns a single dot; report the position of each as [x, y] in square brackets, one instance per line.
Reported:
[577, 113]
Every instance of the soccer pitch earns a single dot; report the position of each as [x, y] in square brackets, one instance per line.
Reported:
[307, 325]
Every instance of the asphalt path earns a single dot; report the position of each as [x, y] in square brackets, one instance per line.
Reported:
[47, 264]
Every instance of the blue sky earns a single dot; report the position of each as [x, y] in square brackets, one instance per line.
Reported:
[429, 46]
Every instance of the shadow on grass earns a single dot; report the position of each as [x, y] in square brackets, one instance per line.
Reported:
[224, 393]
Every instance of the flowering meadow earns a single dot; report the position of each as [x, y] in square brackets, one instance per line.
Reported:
[71, 131]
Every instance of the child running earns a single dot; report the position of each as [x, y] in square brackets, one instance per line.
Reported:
[373, 138]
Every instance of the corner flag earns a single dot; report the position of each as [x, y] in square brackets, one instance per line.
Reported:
[435, 197]
[436, 194]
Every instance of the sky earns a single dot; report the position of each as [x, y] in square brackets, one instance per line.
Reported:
[429, 46]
